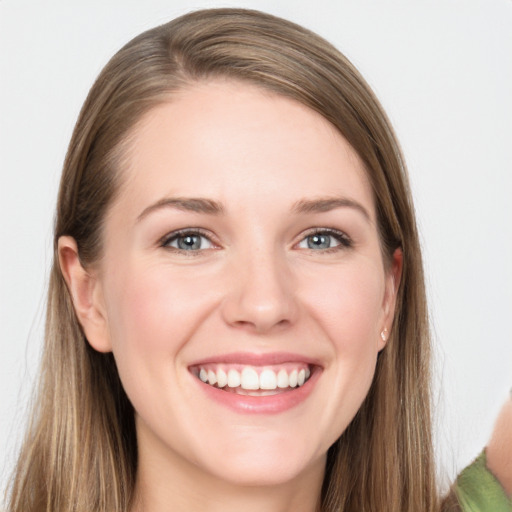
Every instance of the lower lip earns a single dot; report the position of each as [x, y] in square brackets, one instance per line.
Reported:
[272, 404]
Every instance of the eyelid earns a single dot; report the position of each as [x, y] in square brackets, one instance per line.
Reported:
[173, 235]
[344, 240]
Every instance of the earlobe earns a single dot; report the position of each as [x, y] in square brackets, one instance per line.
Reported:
[85, 290]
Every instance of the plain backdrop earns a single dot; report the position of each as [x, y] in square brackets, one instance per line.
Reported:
[443, 71]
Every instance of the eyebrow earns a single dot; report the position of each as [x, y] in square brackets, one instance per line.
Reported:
[192, 204]
[211, 207]
[327, 204]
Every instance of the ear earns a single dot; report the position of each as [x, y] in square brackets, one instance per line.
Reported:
[86, 294]
[393, 277]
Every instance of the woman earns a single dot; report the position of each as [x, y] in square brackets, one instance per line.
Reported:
[237, 312]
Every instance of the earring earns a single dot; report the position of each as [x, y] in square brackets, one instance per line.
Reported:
[384, 335]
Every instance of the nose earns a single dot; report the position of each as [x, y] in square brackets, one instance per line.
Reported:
[261, 294]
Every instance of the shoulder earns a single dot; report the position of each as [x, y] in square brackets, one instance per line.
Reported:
[478, 490]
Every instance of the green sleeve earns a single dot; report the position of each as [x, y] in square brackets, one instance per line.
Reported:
[478, 490]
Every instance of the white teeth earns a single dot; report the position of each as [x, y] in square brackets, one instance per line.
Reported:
[268, 379]
[212, 377]
[233, 379]
[249, 379]
[293, 378]
[282, 379]
[222, 378]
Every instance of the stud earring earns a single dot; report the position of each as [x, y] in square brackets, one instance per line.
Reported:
[384, 335]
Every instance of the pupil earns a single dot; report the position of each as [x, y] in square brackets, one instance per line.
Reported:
[318, 242]
[189, 242]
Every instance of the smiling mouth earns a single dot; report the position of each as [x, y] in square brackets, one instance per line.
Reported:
[254, 380]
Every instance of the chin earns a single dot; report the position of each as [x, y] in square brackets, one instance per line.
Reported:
[264, 460]
[274, 472]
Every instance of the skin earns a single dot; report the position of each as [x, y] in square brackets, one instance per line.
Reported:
[255, 286]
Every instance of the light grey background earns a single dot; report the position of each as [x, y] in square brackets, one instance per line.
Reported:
[443, 71]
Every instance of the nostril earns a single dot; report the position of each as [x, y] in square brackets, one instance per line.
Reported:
[249, 311]
[261, 325]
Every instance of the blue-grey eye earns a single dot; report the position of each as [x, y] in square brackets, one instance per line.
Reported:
[324, 240]
[189, 242]
[319, 241]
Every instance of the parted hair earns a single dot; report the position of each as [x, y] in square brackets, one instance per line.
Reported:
[80, 450]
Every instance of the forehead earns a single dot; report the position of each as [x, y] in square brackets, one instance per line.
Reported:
[238, 144]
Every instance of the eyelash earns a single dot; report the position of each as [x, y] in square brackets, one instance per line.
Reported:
[344, 242]
[182, 233]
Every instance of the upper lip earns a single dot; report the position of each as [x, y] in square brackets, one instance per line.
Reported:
[255, 359]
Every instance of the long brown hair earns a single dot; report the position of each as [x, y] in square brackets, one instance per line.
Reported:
[80, 452]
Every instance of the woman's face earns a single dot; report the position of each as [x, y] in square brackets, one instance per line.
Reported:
[242, 250]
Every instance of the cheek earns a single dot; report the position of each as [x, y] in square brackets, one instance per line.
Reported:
[152, 314]
[154, 310]
[139, 316]
[348, 303]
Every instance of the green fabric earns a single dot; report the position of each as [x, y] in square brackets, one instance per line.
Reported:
[478, 490]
